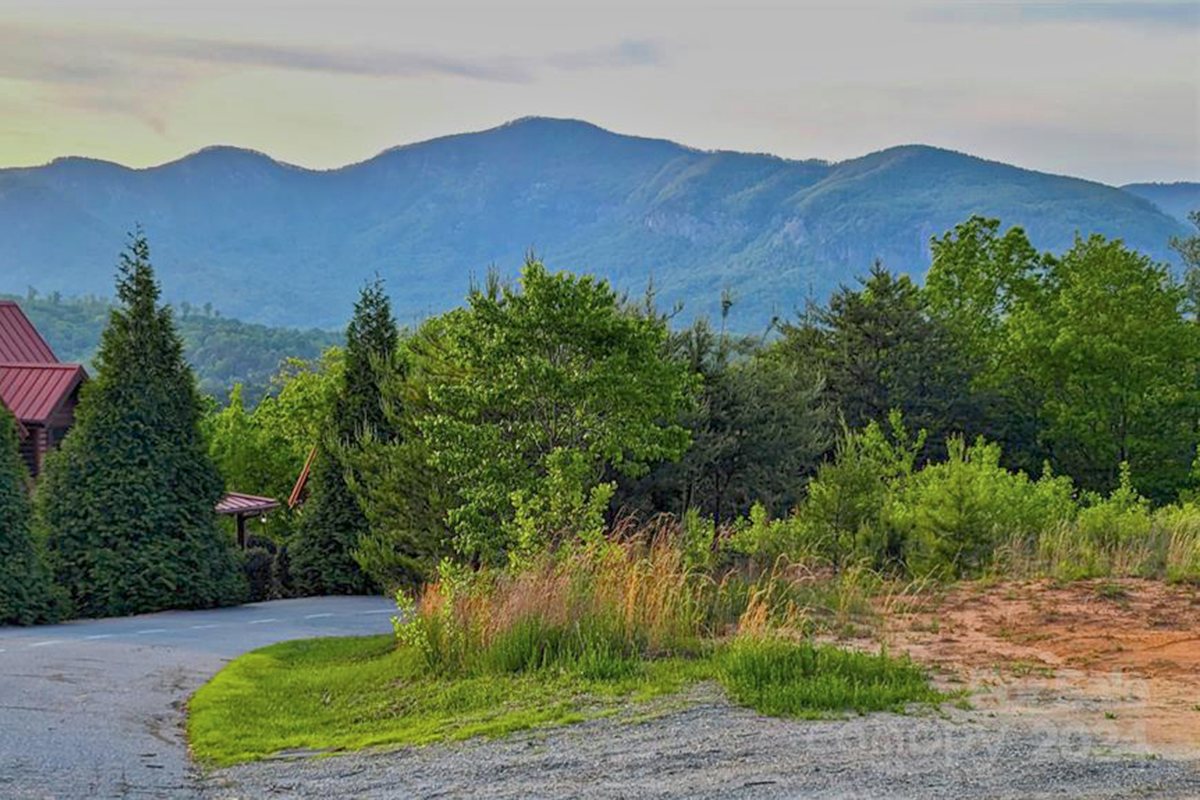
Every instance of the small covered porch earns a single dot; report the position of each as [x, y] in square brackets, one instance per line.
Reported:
[243, 507]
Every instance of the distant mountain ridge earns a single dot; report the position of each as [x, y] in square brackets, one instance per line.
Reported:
[1177, 199]
[280, 244]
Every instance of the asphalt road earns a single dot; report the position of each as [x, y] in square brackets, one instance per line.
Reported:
[94, 709]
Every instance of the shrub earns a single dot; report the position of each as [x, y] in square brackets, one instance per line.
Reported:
[956, 513]
[845, 511]
[26, 595]
[768, 540]
[257, 563]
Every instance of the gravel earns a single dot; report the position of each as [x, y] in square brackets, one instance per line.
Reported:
[95, 708]
[710, 749]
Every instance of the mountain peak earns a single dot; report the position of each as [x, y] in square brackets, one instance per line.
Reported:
[296, 243]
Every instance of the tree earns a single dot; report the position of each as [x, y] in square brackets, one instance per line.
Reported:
[333, 523]
[538, 396]
[879, 350]
[1188, 248]
[977, 278]
[128, 500]
[758, 430]
[1108, 350]
[26, 596]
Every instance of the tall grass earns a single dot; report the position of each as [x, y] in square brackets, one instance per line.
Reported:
[603, 607]
[1103, 543]
[608, 610]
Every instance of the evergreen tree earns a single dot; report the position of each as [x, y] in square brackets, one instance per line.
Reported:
[333, 523]
[25, 590]
[879, 349]
[128, 500]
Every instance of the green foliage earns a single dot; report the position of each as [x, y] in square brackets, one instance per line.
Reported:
[879, 350]
[846, 510]
[769, 540]
[26, 596]
[800, 679]
[1089, 358]
[328, 532]
[757, 430]
[1108, 351]
[565, 507]
[332, 523]
[953, 515]
[556, 374]
[128, 499]
[223, 352]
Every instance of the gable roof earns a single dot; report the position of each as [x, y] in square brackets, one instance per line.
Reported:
[33, 391]
[20, 343]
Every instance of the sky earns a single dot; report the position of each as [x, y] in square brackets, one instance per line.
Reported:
[1108, 91]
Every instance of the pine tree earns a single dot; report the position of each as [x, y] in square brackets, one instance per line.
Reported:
[26, 596]
[333, 522]
[128, 500]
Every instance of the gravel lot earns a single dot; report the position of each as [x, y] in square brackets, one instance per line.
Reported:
[94, 708]
[710, 749]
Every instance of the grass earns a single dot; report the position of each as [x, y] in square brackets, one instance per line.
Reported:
[567, 637]
[801, 679]
[347, 694]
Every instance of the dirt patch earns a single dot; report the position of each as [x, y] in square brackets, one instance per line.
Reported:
[1118, 658]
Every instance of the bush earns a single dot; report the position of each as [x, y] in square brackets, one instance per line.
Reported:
[953, 515]
[767, 540]
[845, 512]
[257, 563]
[26, 593]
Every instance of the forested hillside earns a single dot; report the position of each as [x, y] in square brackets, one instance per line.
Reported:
[222, 351]
[1177, 199]
[278, 244]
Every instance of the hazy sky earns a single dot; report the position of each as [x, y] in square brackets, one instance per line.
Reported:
[1109, 91]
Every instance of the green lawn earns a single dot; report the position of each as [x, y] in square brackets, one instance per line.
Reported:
[345, 694]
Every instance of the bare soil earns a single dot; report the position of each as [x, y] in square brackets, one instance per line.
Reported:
[1119, 659]
[1086, 691]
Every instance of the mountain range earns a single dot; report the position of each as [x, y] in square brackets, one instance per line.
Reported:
[279, 244]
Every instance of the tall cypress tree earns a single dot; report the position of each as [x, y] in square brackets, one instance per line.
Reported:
[128, 500]
[25, 590]
[333, 522]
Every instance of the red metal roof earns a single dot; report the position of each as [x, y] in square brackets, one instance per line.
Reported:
[237, 503]
[20, 343]
[34, 391]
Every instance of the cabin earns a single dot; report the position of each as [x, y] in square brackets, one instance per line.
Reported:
[40, 391]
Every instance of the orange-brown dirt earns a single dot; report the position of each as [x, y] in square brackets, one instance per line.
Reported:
[1117, 658]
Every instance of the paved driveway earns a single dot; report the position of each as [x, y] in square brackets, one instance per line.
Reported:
[94, 709]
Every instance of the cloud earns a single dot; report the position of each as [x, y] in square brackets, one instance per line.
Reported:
[1168, 16]
[49, 57]
[139, 76]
